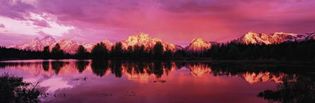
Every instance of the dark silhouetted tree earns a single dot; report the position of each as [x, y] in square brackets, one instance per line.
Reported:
[168, 54]
[46, 52]
[56, 52]
[158, 50]
[117, 50]
[82, 53]
[100, 51]
[15, 90]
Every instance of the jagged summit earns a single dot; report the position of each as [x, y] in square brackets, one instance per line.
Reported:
[274, 38]
[47, 40]
[143, 39]
[37, 44]
[148, 42]
[69, 46]
[107, 43]
[198, 44]
[310, 36]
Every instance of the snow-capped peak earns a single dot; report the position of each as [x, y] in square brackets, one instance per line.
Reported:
[37, 44]
[256, 38]
[310, 36]
[47, 40]
[274, 38]
[148, 42]
[142, 39]
[108, 44]
[198, 44]
[69, 46]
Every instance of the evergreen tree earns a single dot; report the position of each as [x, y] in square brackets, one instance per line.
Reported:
[82, 53]
[129, 52]
[139, 52]
[168, 54]
[57, 53]
[100, 51]
[117, 50]
[46, 52]
[158, 50]
[303, 50]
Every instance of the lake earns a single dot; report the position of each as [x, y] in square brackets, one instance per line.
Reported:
[65, 81]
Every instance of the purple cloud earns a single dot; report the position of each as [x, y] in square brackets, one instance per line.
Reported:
[41, 23]
[2, 26]
[15, 9]
[177, 21]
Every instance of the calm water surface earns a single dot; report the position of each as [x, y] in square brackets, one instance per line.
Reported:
[67, 81]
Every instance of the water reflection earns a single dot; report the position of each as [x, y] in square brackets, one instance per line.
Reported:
[156, 68]
[294, 89]
[99, 67]
[199, 69]
[115, 67]
[292, 86]
[263, 77]
[57, 65]
[81, 65]
[46, 65]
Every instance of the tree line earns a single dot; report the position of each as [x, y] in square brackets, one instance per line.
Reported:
[304, 50]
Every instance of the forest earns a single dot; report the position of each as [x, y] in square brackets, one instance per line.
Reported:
[288, 51]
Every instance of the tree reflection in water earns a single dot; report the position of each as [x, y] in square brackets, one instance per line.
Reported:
[116, 68]
[294, 89]
[293, 86]
[99, 67]
[81, 65]
[157, 69]
[57, 65]
[45, 65]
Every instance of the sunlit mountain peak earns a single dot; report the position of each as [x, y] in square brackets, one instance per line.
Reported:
[273, 38]
[69, 46]
[143, 39]
[198, 44]
[256, 38]
[37, 44]
[47, 40]
[108, 44]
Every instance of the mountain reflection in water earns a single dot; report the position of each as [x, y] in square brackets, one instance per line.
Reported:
[206, 81]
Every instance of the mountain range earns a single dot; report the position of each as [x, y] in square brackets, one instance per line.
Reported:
[38, 44]
[274, 38]
[142, 39]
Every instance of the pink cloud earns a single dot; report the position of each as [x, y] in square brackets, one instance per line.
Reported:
[41, 23]
[177, 21]
[2, 26]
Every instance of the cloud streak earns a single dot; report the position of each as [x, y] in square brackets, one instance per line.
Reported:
[177, 21]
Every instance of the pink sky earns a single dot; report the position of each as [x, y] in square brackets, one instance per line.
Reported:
[175, 21]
